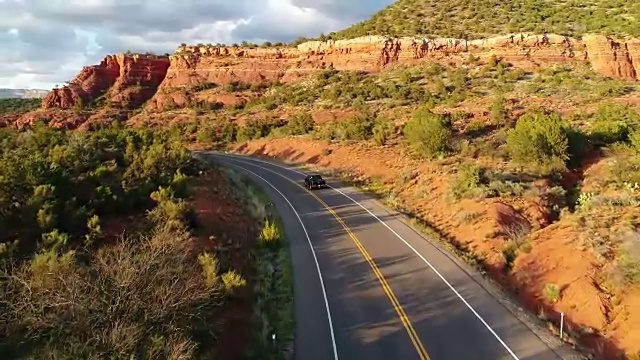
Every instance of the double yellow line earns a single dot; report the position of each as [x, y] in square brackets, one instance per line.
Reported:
[383, 282]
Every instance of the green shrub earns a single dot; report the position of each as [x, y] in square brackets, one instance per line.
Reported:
[634, 140]
[236, 86]
[551, 292]
[18, 106]
[475, 127]
[270, 233]
[468, 182]
[499, 111]
[539, 139]
[360, 127]
[258, 128]
[428, 133]
[300, 124]
[325, 132]
[53, 183]
[613, 123]
[382, 130]
[169, 212]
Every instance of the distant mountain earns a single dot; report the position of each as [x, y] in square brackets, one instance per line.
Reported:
[23, 93]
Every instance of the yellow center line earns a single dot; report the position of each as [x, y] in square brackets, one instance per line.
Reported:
[383, 282]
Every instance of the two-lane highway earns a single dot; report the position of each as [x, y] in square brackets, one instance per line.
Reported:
[369, 286]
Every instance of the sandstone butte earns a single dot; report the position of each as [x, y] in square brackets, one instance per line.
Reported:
[156, 83]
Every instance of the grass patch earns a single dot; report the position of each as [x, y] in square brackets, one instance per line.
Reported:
[551, 293]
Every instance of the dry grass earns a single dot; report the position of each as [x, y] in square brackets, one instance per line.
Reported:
[140, 297]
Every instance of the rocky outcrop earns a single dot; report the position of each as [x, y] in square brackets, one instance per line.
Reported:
[192, 67]
[194, 73]
[613, 57]
[123, 81]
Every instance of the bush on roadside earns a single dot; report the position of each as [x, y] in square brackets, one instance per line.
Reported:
[55, 180]
[428, 133]
[258, 128]
[360, 127]
[270, 233]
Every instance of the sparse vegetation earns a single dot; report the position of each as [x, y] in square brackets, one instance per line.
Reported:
[551, 292]
[273, 283]
[468, 182]
[359, 127]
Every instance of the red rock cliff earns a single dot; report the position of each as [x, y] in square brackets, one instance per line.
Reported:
[124, 81]
[195, 66]
[615, 58]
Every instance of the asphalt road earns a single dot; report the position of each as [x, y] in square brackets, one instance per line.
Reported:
[369, 286]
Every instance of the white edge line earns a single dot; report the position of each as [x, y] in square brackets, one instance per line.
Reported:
[406, 243]
[313, 252]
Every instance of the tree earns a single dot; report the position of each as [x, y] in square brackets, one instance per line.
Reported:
[428, 133]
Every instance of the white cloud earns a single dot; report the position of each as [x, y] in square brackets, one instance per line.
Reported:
[46, 42]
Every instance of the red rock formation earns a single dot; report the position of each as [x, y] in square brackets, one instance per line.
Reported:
[126, 80]
[614, 58]
[193, 72]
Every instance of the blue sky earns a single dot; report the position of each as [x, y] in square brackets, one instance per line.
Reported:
[47, 42]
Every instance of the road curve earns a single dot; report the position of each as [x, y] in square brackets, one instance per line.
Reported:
[369, 286]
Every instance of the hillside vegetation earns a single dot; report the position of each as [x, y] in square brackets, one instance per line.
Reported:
[485, 18]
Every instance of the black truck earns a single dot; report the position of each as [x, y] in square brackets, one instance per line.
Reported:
[314, 181]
